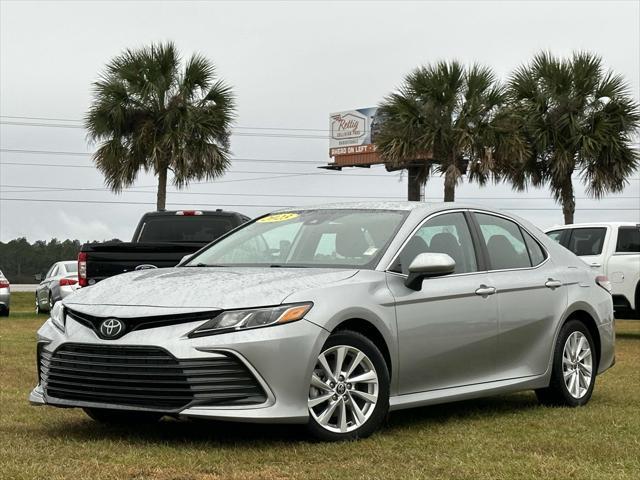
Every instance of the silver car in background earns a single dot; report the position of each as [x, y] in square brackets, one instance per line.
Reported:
[5, 295]
[331, 317]
[60, 281]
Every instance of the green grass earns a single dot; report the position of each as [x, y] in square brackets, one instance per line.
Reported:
[23, 304]
[503, 437]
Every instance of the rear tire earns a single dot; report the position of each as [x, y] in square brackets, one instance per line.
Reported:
[122, 417]
[38, 310]
[574, 368]
[349, 395]
[4, 312]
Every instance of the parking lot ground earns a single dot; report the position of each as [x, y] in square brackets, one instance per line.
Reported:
[504, 437]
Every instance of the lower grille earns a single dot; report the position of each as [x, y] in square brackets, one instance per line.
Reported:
[145, 377]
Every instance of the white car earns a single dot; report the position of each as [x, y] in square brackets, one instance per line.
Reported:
[612, 248]
[5, 296]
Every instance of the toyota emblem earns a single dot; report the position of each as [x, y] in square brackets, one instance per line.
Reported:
[111, 328]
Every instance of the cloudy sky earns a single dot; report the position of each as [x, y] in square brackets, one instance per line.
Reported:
[291, 64]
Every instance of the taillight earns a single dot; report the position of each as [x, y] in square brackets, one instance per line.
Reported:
[67, 281]
[82, 269]
[4, 284]
[604, 282]
[188, 213]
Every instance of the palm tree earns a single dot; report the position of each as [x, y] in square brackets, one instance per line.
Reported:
[447, 119]
[576, 117]
[151, 112]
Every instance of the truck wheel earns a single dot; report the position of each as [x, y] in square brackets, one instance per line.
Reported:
[38, 311]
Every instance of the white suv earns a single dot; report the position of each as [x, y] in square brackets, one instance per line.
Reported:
[612, 248]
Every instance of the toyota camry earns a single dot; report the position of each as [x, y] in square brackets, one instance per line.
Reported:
[333, 316]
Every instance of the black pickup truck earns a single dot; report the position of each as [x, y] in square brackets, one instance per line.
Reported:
[161, 239]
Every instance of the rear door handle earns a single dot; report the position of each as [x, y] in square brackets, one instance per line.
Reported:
[485, 291]
[551, 283]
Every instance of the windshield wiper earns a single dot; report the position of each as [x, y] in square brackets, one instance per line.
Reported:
[204, 265]
[279, 265]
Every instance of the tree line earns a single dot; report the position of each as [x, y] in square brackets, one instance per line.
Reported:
[21, 260]
[551, 120]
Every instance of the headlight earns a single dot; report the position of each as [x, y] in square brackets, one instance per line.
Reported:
[233, 320]
[58, 316]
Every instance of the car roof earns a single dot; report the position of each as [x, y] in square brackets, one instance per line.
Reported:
[406, 206]
[593, 225]
[170, 213]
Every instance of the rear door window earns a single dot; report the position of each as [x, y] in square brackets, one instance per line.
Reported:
[505, 243]
[628, 240]
[587, 241]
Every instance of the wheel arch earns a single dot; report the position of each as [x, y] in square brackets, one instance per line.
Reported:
[589, 322]
[370, 331]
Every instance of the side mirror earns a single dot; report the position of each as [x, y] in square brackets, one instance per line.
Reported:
[38, 277]
[185, 259]
[428, 265]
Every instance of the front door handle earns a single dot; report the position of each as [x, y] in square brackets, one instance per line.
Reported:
[551, 283]
[485, 291]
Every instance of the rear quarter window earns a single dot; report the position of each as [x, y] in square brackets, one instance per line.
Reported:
[587, 241]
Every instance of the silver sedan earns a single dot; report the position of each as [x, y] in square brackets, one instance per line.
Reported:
[60, 280]
[333, 316]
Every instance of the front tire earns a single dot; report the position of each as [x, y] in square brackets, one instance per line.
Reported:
[349, 388]
[121, 417]
[574, 368]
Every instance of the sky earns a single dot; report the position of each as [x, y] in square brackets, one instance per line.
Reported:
[291, 64]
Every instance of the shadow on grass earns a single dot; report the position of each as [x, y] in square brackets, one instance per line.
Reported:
[232, 434]
[481, 409]
[628, 335]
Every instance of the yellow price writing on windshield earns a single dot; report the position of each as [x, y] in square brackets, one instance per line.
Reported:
[280, 217]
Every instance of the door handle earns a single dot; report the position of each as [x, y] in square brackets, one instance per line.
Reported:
[485, 291]
[551, 283]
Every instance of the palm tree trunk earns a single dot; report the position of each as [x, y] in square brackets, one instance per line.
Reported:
[449, 189]
[161, 202]
[568, 201]
[413, 187]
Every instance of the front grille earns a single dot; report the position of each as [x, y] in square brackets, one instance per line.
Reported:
[145, 377]
[140, 323]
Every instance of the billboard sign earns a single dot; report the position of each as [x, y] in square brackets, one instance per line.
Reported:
[351, 131]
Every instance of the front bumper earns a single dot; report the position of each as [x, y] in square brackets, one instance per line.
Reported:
[281, 358]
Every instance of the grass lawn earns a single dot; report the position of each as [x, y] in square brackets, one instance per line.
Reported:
[503, 437]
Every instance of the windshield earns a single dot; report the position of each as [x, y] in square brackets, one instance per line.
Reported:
[312, 238]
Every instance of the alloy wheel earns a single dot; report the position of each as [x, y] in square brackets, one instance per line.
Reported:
[344, 389]
[577, 364]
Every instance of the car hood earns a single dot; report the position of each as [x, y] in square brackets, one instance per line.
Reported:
[200, 288]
